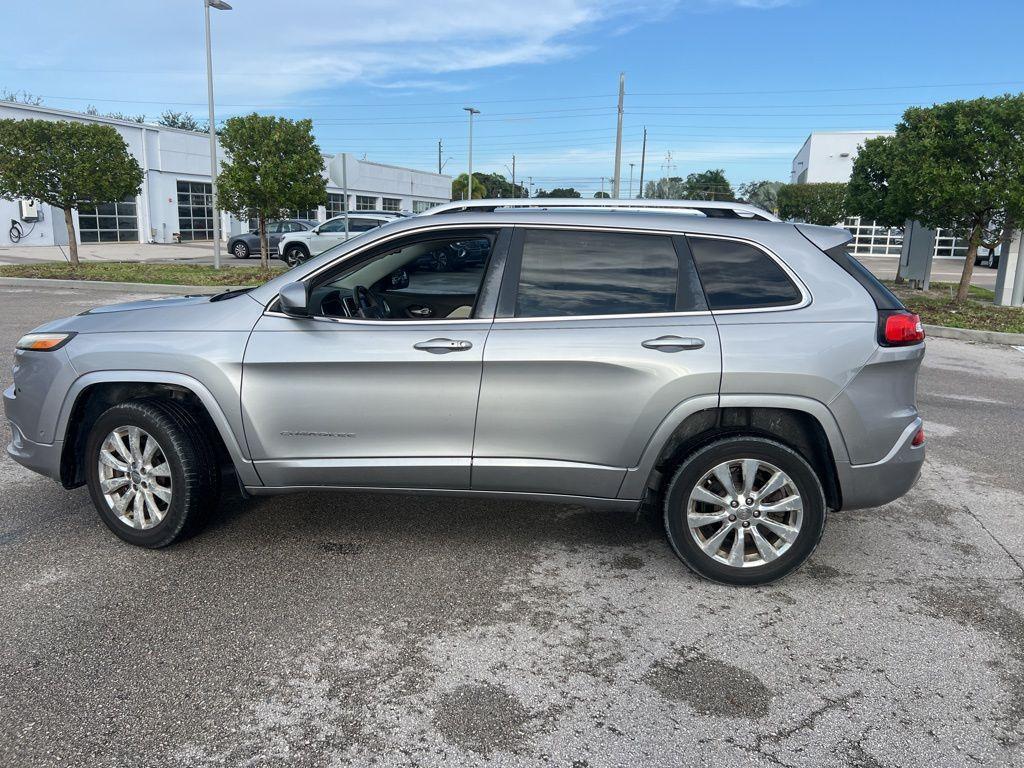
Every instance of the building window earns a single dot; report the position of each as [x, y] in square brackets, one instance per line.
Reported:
[335, 205]
[366, 203]
[391, 204]
[300, 213]
[419, 206]
[195, 210]
[109, 222]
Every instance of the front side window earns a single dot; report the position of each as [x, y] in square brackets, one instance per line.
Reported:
[435, 279]
[574, 273]
[737, 275]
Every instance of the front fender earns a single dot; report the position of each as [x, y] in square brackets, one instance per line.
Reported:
[236, 448]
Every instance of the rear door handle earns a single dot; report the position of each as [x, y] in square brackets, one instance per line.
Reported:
[443, 346]
[673, 343]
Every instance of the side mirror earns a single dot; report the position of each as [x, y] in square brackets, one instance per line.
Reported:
[294, 300]
[399, 280]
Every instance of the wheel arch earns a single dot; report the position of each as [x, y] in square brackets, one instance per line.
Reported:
[93, 393]
[804, 425]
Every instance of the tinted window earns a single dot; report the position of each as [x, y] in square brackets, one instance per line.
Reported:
[596, 273]
[739, 276]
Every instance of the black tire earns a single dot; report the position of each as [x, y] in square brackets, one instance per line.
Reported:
[240, 250]
[294, 255]
[690, 472]
[194, 472]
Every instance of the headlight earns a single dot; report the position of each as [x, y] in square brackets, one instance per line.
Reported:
[44, 342]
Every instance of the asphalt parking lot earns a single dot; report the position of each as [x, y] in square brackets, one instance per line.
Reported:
[355, 630]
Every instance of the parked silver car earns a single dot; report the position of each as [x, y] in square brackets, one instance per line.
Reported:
[739, 375]
[247, 244]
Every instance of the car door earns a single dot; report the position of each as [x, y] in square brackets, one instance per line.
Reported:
[348, 402]
[599, 334]
[274, 233]
[327, 235]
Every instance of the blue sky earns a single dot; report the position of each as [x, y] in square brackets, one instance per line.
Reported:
[736, 84]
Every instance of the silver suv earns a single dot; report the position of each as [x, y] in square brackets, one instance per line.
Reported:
[737, 374]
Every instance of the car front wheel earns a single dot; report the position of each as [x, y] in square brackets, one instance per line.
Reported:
[744, 511]
[294, 254]
[241, 250]
[151, 471]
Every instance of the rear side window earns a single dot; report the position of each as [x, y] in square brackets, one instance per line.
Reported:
[572, 273]
[739, 276]
[882, 296]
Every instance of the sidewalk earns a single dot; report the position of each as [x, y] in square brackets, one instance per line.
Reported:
[199, 253]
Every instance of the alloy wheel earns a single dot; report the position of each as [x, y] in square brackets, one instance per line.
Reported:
[135, 477]
[744, 513]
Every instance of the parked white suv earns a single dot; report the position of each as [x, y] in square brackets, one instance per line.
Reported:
[296, 247]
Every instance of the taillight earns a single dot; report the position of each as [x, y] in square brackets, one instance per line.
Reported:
[899, 329]
[918, 438]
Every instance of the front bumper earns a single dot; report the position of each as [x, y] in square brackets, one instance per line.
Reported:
[43, 458]
[878, 483]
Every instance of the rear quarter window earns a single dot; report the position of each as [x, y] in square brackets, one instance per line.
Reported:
[737, 275]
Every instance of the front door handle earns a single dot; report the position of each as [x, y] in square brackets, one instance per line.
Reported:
[673, 343]
[443, 346]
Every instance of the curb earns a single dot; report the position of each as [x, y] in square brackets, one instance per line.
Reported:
[105, 285]
[964, 334]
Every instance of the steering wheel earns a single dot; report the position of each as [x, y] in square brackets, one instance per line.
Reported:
[368, 306]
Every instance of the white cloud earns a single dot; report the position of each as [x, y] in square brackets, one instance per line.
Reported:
[266, 50]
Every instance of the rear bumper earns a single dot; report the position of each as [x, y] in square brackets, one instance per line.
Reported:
[878, 483]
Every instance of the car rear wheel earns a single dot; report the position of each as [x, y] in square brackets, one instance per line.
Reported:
[241, 250]
[151, 471]
[744, 510]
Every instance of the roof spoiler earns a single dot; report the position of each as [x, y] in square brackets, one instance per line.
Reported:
[825, 237]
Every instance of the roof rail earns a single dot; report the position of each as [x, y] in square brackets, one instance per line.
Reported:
[709, 208]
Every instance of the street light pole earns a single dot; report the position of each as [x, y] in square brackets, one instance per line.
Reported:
[220, 5]
[469, 178]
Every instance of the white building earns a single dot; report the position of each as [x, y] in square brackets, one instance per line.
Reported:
[827, 156]
[174, 202]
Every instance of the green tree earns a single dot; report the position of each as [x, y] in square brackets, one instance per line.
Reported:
[20, 97]
[708, 185]
[91, 110]
[559, 192]
[958, 165]
[823, 203]
[666, 188]
[763, 194]
[459, 187]
[182, 120]
[274, 164]
[65, 164]
[869, 193]
[602, 195]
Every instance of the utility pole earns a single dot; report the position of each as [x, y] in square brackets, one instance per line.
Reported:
[602, 186]
[631, 180]
[469, 178]
[439, 156]
[220, 5]
[512, 170]
[616, 183]
[529, 191]
[643, 160]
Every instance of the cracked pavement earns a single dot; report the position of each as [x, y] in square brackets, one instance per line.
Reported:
[335, 630]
